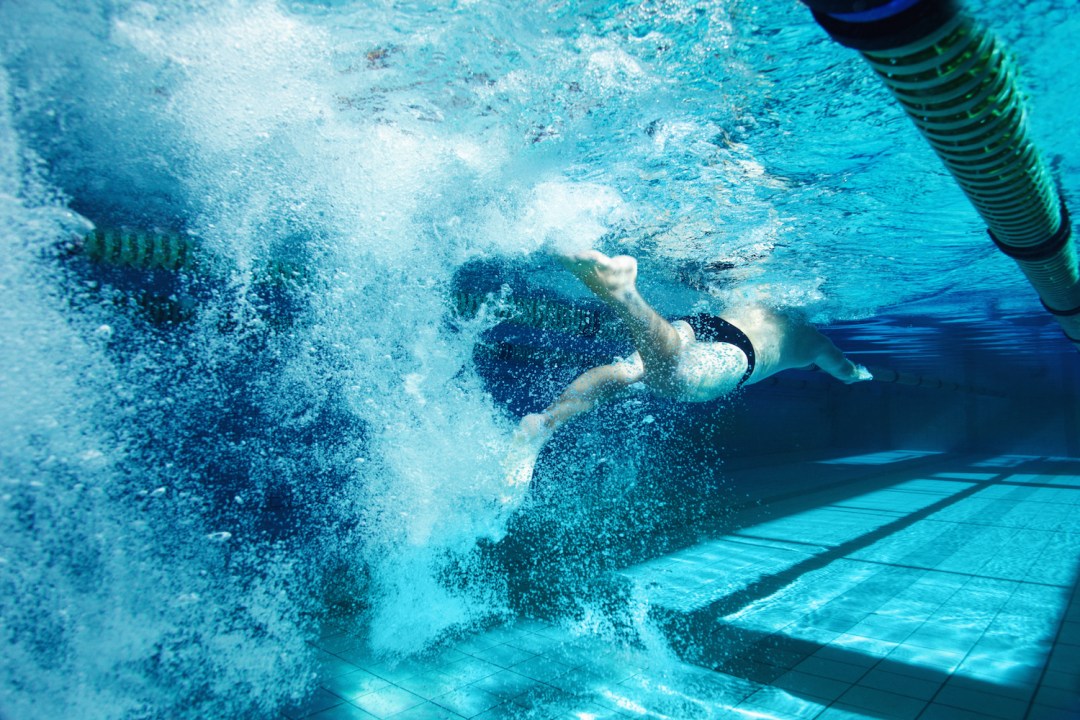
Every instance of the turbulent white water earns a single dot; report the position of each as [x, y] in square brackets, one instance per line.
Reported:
[179, 503]
[148, 569]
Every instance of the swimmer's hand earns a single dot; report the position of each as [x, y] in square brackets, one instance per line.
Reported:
[861, 374]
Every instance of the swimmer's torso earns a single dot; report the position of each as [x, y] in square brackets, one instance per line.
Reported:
[709, 370]
[704, 371]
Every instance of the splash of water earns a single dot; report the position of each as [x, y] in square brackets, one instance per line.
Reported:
[180, 502]
[103, 601]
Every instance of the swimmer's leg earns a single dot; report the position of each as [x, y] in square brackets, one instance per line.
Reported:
[586, 392]
[613, 280]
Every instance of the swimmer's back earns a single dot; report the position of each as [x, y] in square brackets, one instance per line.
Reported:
[781, 341]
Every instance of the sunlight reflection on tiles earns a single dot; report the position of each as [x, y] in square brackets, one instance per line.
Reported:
[1065, 481]
[968, 600]
[978, 477]
[968, 635]
[702, 574]
[961, 600]
[881, 458]
[984, 643]
[778, 703]
[681, 695]
[902, 498]
[711, 570]
[1005, 461]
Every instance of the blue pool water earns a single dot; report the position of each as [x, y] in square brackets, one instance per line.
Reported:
[229, 483]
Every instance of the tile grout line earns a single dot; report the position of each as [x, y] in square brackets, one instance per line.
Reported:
[1053, 647]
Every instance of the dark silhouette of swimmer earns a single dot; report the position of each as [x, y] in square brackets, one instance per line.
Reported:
[694, 359]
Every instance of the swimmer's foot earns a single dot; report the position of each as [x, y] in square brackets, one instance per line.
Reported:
[533, 430]
[611, 278]
[529, 438]
[517, 466]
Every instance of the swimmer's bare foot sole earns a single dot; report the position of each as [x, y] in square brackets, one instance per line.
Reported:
[609, 277]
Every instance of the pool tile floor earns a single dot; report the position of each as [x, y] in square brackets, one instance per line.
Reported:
[938, 588]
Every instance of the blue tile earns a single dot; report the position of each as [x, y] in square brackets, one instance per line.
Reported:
[844, 712]
[839, 621]
[359, 656]
[913, 608]
[470, 670]
[313, 703]
[506, 711]
[1069, 681]
[498, 635]
[579, 652]
[782, 704]
[343, 643]
[344, 711]
[1053, 697]
[330, 666]
[1064, 658]
[943, 661]
[613, 666]
[1020, 665]
[431, 685]
[531, 642]
[813, 635]
[846, 652]
[442, 659]
[427, 711]
[831, 669]
[468, 701]
[857, 650]
[355, 651]
[354, 684]
[532, 625]
[1069, 633]
[506, 684]
[754, 671]
[591, 711]
[934, 711]
[541, 668]
[784, 658]
[397, 670]
[981, 702]
[1045, 712]
[547, 701]
[755, 710]
[934, 636]
[388, 701]
[882, 703]
[479, 643]
[588, 680]
[994, 685]
[811, 685]
[920, 687]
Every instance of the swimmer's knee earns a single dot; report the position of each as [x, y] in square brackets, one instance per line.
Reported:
[629, 372]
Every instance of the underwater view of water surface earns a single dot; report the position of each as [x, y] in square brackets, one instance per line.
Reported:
[279, 281]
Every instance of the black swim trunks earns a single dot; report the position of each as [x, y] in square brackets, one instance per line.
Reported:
[712, 328]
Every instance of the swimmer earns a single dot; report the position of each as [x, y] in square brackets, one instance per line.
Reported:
[694, 359]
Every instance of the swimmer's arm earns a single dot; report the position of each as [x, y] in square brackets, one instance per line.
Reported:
[844, 370]
[832, 361]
